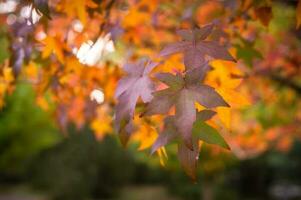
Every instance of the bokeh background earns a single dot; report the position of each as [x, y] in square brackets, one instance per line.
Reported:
[57, 140]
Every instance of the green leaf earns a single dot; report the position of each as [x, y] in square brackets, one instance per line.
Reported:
[208, 134]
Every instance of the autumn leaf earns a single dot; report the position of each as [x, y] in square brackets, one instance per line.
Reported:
[187, 157]
[183, 92]
[102, 122]
[195, 48]
[53, 45]
[145, 134]
[136, 84]
[77, 8]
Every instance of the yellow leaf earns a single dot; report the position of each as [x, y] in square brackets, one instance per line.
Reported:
[222, 74]
[8, 75]
[236, 99]
[42, 102]
[146, 135]
[3, 88]
[101, 125]
[162, 155]
[172, 64]
[31, 71]
[225, 116]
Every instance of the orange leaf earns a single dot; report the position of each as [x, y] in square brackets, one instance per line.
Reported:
[53, 45]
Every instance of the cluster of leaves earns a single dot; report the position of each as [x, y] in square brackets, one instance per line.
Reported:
[187, 125]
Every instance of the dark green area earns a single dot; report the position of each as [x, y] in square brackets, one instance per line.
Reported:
[25, 130]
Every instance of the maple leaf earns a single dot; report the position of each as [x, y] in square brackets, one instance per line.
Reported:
[201, 131]
[183, 92]
[53, 45]
[187, 157]
[195, 48]
[136, 84]
[170, 132]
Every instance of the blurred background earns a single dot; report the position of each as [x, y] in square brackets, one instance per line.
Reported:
[56, 134]
[38, 162]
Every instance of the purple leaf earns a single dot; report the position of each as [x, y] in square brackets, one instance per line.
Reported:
[196, 75]
[161, 103]
[185, 116]
[195, 49]
[168, 134]
[183, 93]
[207, 96]
[215, 50]
[196, 34]
[173, 81]
[136, 84]
[175, 48]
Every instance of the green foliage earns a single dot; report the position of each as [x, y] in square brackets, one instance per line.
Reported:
[4, 47]
[25, 130]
